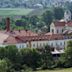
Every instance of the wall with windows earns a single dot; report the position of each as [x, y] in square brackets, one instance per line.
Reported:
[52, 28]
[21, 45]
[57, 43]
[56, 30]
[38, 44]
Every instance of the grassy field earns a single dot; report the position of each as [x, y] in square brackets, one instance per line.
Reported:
[14, 11]
[57, 70]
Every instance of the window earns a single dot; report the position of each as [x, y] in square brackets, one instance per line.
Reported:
[57, 31]
[61, 43]
[52, 44]
[52, 30]
[56, 44]
[40, 44]
[33, 45]
[20, 46]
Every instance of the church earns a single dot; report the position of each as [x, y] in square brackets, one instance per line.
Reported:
[62, 26]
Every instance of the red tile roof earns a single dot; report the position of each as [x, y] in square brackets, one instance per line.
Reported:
[12, 40]
[22, 37]
[20, 33]
[62, 24]
[57, 37]
[59, 24]
[69, 23]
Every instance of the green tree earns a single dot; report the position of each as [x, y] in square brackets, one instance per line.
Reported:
[14, 56]
[47, 17]
[3, 66]
[31, 57]
[69, 6]
[2, 52]
[66, 58]
[47, 59]
[58, 13]
[33, 19]
[68, 55]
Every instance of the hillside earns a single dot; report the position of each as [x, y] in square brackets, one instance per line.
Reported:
[14, 11]
[31, 3]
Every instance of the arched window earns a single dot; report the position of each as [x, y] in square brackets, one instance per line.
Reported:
[52, 30]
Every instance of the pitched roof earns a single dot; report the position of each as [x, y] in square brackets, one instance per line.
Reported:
[62, 23]
[57, 37]
[69, 24]
[8, 38]
[20, 33]
[59, 24]
[3, 37]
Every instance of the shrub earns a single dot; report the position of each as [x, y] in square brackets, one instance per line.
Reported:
[26, 69]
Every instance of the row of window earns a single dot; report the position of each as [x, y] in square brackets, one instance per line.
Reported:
[21, 46]
[42, 44]
[52, 44]
[57, 44]
[39, 45]
[57, 31]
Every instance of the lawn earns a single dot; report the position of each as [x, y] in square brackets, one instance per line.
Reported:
[57, 70]
[14, 11]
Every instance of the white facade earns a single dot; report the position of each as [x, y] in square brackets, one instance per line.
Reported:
[21, 45]
[56, 30]
[38, 44]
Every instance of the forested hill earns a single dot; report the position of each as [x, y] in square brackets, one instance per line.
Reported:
[31, 3]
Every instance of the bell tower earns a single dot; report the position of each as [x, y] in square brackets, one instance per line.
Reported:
[67, 16]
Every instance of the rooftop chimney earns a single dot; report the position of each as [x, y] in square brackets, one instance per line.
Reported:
[7, 24]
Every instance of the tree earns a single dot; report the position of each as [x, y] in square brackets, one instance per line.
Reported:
[14, 56]
[31, 58]
[33, 19]
[3, 66]
[69, 6]
[2, 52]
[47, 17]
[47, 59]
[66, 58]
[68, 55]
[58, 13]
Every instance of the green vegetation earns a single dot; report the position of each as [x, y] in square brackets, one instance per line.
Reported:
[13, 59]
[57, 70]
[14, 11]
[58, 13]
[37, 23]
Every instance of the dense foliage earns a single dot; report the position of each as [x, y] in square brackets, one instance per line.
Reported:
[13, 59]
[20, 59]
[36, 23]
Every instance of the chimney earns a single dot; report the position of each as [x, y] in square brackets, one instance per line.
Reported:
[7, 24]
